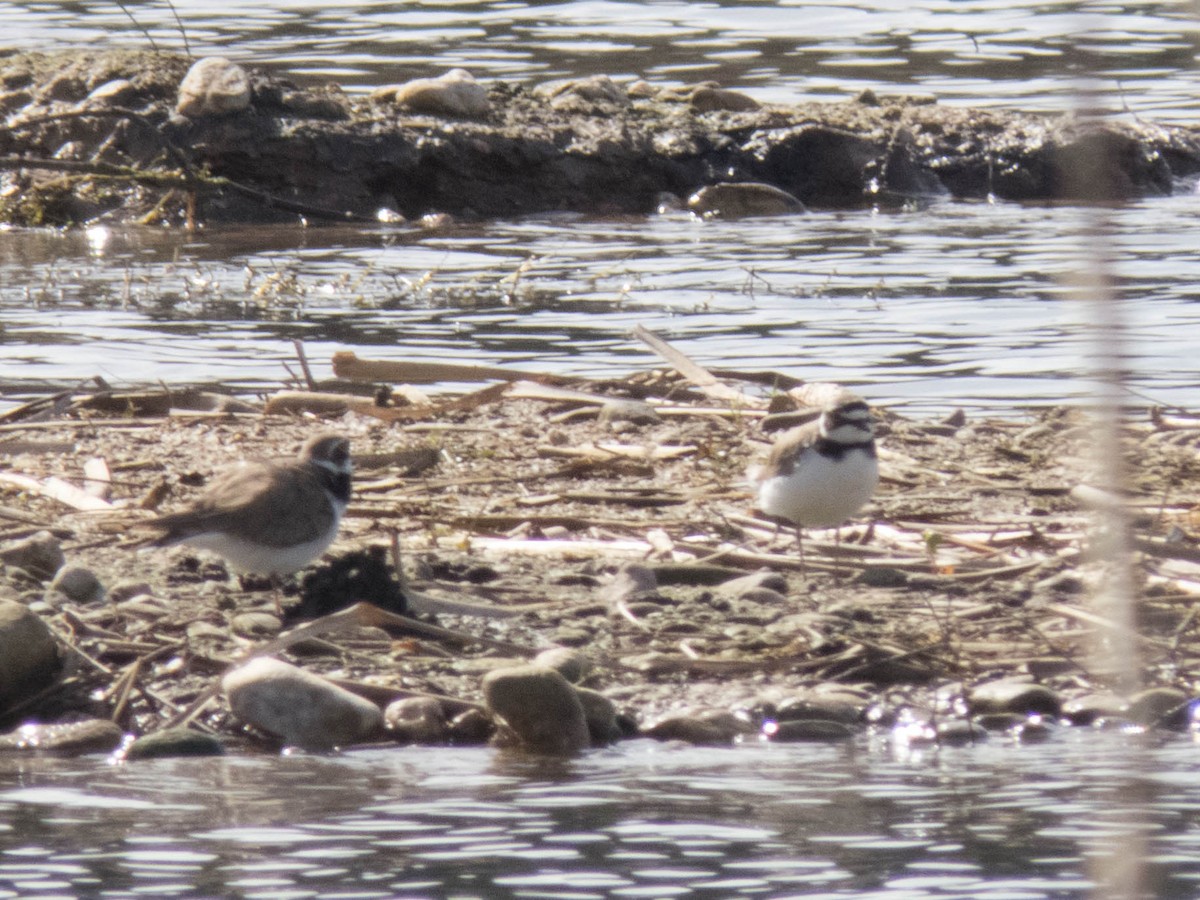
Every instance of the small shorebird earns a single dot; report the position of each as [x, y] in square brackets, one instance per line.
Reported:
[268, 518]
[822, 472]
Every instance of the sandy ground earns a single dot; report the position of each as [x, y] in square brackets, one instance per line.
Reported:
[971, 564]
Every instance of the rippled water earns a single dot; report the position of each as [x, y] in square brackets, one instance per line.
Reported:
[963, 304]
[643, 820]
[1024, 55]
[955, 303]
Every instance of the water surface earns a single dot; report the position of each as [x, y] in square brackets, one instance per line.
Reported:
[642, 820]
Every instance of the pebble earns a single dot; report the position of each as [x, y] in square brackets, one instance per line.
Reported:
[710, 99]
[737, 200]
[66, 739]
[601, 716]
[1091, 708]
[882, 577]
[798, 730]
[417, 720]
[808, 707]
[78, 583]
[570, 95]
[960, 733]
[572, 636]
[213, 86]
[571, 664]
[29, 659]
[1033, 730]
[116, 92]
[175, 742]
[456, 93]
[303, 709]
[1001, 721]
[127, 590]
[1016, 696]
[474, 726]
[540, 707]
[1160, 707]
[39, 554]
[633, 411]
[255, 624]
[706, 727]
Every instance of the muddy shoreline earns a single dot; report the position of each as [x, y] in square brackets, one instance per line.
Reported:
[962, 598]
[97, 136]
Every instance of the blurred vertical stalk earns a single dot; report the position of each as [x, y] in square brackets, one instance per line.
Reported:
[1115, 651]
[1118, 868]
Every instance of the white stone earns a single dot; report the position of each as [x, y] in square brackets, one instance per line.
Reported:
[303, 709]
[213, 86]
[456, 93]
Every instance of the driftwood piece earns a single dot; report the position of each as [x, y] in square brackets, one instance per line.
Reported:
[323, 404]
[606, 450]
[346, 364]
[57, 489]
[696, 374]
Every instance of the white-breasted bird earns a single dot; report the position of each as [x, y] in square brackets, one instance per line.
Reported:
[268, 518]
[822, 472]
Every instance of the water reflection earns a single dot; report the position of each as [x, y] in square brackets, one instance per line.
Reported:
[640, 820]
[961, 304]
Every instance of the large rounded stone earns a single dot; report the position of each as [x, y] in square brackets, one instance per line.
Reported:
[28, 654]
[303, 709]
[213, 86]
[540, 706]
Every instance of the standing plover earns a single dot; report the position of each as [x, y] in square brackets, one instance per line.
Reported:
[269, 518]
[822, 472]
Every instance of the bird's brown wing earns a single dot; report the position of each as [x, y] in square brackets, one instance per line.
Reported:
[788, 447]
[294, 516]
[235, 499]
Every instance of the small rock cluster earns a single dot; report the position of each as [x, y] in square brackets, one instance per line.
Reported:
[538, 707]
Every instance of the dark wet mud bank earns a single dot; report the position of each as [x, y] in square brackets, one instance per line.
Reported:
[98, 134]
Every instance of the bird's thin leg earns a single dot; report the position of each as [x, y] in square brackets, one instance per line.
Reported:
[800, 546]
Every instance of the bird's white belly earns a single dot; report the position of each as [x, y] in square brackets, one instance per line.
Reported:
[821, 492]
[246, 556]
